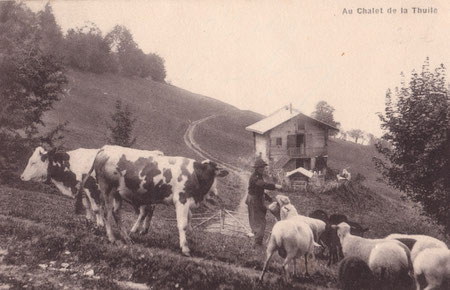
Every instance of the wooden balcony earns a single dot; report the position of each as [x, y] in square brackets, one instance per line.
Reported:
[294, 152]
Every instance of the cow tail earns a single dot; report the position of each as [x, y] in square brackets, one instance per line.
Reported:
[79, 194]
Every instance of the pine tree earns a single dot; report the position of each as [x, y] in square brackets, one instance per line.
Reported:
[121, 126]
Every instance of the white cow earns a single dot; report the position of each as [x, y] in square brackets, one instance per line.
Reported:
[143, 179]
[66, 170]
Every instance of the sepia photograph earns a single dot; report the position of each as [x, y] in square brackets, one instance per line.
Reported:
[207, 144]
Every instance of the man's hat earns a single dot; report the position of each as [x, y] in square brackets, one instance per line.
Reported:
[259, 163]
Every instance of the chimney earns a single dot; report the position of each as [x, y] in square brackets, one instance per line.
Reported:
[290, 108]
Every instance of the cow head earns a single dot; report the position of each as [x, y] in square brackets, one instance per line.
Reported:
[206, 173]
[212, 166]
[44, 165]
[37, 166]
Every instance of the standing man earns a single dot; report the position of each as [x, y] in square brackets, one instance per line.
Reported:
[255, 200]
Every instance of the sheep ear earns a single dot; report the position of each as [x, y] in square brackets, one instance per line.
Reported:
[334, 226]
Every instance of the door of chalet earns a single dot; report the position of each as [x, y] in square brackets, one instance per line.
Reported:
[296, 145]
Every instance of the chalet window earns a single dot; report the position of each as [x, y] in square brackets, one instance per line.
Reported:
[279, 142]
[300, 125]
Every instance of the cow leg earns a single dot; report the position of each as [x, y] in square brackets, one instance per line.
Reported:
[141, 216]
[95, 209]
[87, 207]
[117, 204]
[182, 211]
[189, 228]
[107, 197]
[148, 218]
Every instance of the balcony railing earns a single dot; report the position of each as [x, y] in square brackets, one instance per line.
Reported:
[296, 151]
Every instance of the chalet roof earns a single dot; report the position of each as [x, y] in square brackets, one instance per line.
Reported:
[277, 118]
[300, 170]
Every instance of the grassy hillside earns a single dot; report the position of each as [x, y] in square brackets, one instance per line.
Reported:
[44, 245]
[163, 111]
[371, 202]
[225, 136]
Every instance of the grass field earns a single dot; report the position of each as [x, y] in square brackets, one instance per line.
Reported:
[38, 228]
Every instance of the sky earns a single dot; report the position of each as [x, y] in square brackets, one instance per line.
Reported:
[262, 55]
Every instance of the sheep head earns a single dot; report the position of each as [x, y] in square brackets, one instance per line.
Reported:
[288, 211]
[282, 199]
[343, 229]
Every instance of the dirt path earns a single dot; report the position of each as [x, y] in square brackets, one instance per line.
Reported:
[240, 213]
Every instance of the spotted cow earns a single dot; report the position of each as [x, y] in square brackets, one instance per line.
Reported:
[143, 179]
[66, 170]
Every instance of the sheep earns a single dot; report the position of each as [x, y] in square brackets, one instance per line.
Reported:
[329, 237]
[336, 219]
[433, 267]
[390, 264]
[361, 247]
[421, 243]
[320, 214]
[275, 206]
[292, 238]
[354, 273]
[356, 229]
[317, 226]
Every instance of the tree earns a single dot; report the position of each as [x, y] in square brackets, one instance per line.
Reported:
[324, 113]
[154, 67]
[356, 133]
[122, 126]
[371, 139]
[86, 49]
[51, 38]
[30, 82]
[131, 59]
[417, 128]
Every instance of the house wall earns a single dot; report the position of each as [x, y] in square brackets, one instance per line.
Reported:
[261, 146]
[314, 138]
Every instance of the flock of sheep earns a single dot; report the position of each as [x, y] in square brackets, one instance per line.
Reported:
[397, 261]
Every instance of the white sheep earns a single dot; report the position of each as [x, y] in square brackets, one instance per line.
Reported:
[391, 265]
[358, 246]
[292, 238]
[421, 243]
[433, 265]
[317, 226]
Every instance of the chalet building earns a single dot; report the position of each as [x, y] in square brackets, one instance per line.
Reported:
[288, 139]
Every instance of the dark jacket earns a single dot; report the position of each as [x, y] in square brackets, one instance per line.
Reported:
[257, 185]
